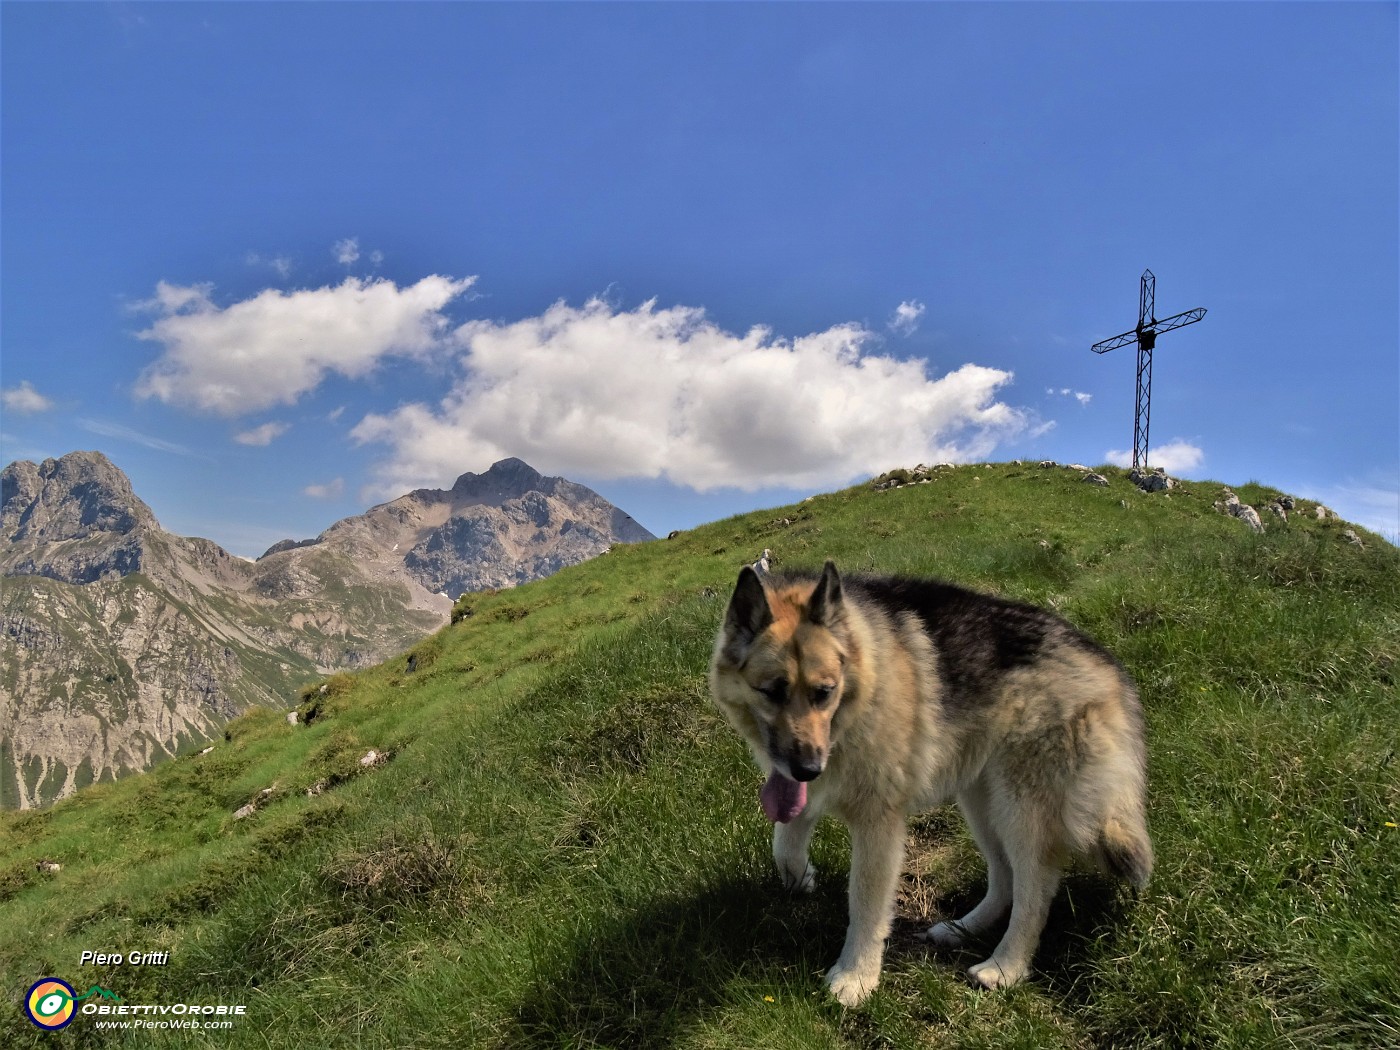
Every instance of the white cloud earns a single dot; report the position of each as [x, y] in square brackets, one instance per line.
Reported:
[263, 435]
[331, 490]
[172, 298]
[347, 251]
[24, 399]
[1175, 457]
[273, 348]
[1065, 391]
[606, 393]
[906, 317]
[125, 433]
[280, 263]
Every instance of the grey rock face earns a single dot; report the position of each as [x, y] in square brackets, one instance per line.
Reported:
[74, 519]
[71, 498]
[465, 554]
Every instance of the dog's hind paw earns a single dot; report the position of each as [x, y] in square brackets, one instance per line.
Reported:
[992, 975]
[804, 883]
[951, 934]
[851, 987]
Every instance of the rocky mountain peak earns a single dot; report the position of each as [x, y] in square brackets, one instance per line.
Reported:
[74, 497]
[502, 527]
[507, 479]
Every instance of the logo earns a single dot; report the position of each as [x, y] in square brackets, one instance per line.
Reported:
[50, 1003]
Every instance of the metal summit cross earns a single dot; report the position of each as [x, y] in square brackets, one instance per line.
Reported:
[1145, 335]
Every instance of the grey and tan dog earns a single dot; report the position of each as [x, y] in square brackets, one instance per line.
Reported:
[871, 698]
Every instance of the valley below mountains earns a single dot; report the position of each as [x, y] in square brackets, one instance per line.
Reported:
[122, 644]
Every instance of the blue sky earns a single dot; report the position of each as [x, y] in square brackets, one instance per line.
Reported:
[283, 261]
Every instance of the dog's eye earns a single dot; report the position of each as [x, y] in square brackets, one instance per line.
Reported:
[775, 691]
[822, 693]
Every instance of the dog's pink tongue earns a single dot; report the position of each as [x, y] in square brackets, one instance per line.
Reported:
[781, 798]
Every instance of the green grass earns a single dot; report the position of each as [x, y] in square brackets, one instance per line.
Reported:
[564, 847]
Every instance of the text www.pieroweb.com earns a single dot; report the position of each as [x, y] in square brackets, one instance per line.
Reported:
[183, 1023]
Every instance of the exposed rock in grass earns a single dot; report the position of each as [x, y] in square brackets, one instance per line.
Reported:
[370, 760]
[1095, 479]
[1153, 480]
[1230, 504]
[252, 807]
[901, 476]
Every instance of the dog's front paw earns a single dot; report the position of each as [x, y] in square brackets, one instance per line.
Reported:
[806, 882]
[993, 975]
[951, 934]
[851, 987]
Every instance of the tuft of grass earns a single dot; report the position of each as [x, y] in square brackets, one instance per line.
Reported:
[404, 865]
[320, 699]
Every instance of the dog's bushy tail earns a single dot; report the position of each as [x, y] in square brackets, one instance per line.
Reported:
[1125, 850]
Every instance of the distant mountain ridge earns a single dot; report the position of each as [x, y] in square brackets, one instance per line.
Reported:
[121, 644]
[501, 528]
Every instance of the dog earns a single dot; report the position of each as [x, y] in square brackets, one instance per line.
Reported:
[872, 698]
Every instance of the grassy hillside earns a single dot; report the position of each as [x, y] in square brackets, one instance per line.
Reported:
[560, 843]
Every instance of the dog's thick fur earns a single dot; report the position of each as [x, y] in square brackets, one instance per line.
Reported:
[879, 697]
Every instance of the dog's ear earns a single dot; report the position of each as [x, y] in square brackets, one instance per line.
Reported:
[748, 615]
[826, 607]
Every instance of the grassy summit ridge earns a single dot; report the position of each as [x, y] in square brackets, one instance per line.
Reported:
[564, 844]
